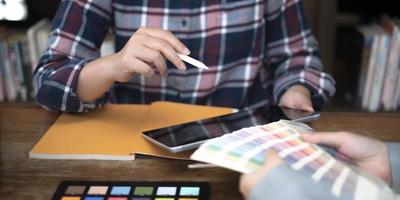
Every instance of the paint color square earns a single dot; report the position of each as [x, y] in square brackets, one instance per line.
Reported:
[188, 199]
[164, 199]
[189, 191]
[117, 198]
[143, 191]
[166, 191]
[120, 190]
[71, 198]
[100, 190]
[94, 198]
[140, 198]
[75, 190]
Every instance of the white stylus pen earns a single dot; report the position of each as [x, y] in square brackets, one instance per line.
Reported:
[193, 61]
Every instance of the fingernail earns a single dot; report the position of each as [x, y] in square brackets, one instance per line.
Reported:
[183, 66]
[186, 51]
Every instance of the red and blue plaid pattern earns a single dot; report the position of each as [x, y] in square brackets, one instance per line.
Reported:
[255, 50]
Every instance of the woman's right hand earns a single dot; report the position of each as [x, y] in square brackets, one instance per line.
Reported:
[146, 53]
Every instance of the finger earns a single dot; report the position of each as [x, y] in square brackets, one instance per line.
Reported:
[272, 160]
[169, 37]
[153, 57]
[307, 107]
[245, 185]
[303, 102]
[161, 66]
[333, 139]
[142, 68]
[167, 50]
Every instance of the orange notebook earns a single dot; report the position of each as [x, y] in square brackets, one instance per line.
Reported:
[114, 132]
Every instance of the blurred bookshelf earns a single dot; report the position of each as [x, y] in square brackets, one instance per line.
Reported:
[23, 39]
[24, 29]
[337, 25]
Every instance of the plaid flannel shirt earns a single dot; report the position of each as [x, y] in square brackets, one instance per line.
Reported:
[255, 50]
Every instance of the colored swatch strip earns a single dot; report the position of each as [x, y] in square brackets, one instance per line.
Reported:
[86, 190]
[244, 151]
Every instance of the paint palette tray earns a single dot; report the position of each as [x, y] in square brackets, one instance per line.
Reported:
[131, 190]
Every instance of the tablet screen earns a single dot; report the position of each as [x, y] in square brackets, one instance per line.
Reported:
[191, 135]
[202, 130]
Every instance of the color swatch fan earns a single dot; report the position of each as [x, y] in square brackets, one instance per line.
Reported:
[244, 150]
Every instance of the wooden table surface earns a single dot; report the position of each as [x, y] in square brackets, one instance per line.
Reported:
[21, 126]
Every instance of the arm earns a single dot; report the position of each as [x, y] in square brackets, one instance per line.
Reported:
[292, 52]
[285, 183]
[394, 157]
[71, 77]
[78, 30]
[144, 53]
[277, 180]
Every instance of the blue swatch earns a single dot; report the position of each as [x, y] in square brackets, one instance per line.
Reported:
[120, 190]
[94, 198]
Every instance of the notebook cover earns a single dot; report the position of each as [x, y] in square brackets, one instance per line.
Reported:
[114, 132]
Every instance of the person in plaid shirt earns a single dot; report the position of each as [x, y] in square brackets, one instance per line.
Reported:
[259, 53]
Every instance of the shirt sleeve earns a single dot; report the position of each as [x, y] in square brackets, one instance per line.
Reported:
[394, 157]
[78, 30]
[292, 52]
[285, 183]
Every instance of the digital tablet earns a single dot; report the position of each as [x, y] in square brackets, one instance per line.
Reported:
[191, 135]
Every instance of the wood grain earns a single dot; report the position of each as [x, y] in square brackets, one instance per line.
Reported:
[23, 178]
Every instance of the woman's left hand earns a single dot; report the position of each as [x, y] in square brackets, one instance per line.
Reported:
[298, 97]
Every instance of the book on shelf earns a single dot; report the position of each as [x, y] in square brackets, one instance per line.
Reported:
[10, 74]
[397, 90]
[2, 90]
[392, 66]
[379, 71]
[16, 43]
[2, 77]
[373, 30]
[364, 41]
[37, 35]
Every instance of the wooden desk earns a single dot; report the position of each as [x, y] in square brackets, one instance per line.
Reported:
[22, 178]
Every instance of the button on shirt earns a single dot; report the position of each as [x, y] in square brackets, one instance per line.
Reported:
[255, 51]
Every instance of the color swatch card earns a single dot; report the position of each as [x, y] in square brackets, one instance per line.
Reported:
[244, 150]
[105, 190]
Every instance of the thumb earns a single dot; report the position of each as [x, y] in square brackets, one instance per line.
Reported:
[271, 160]
[327, 138]
[249, 181]
[307, 107]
